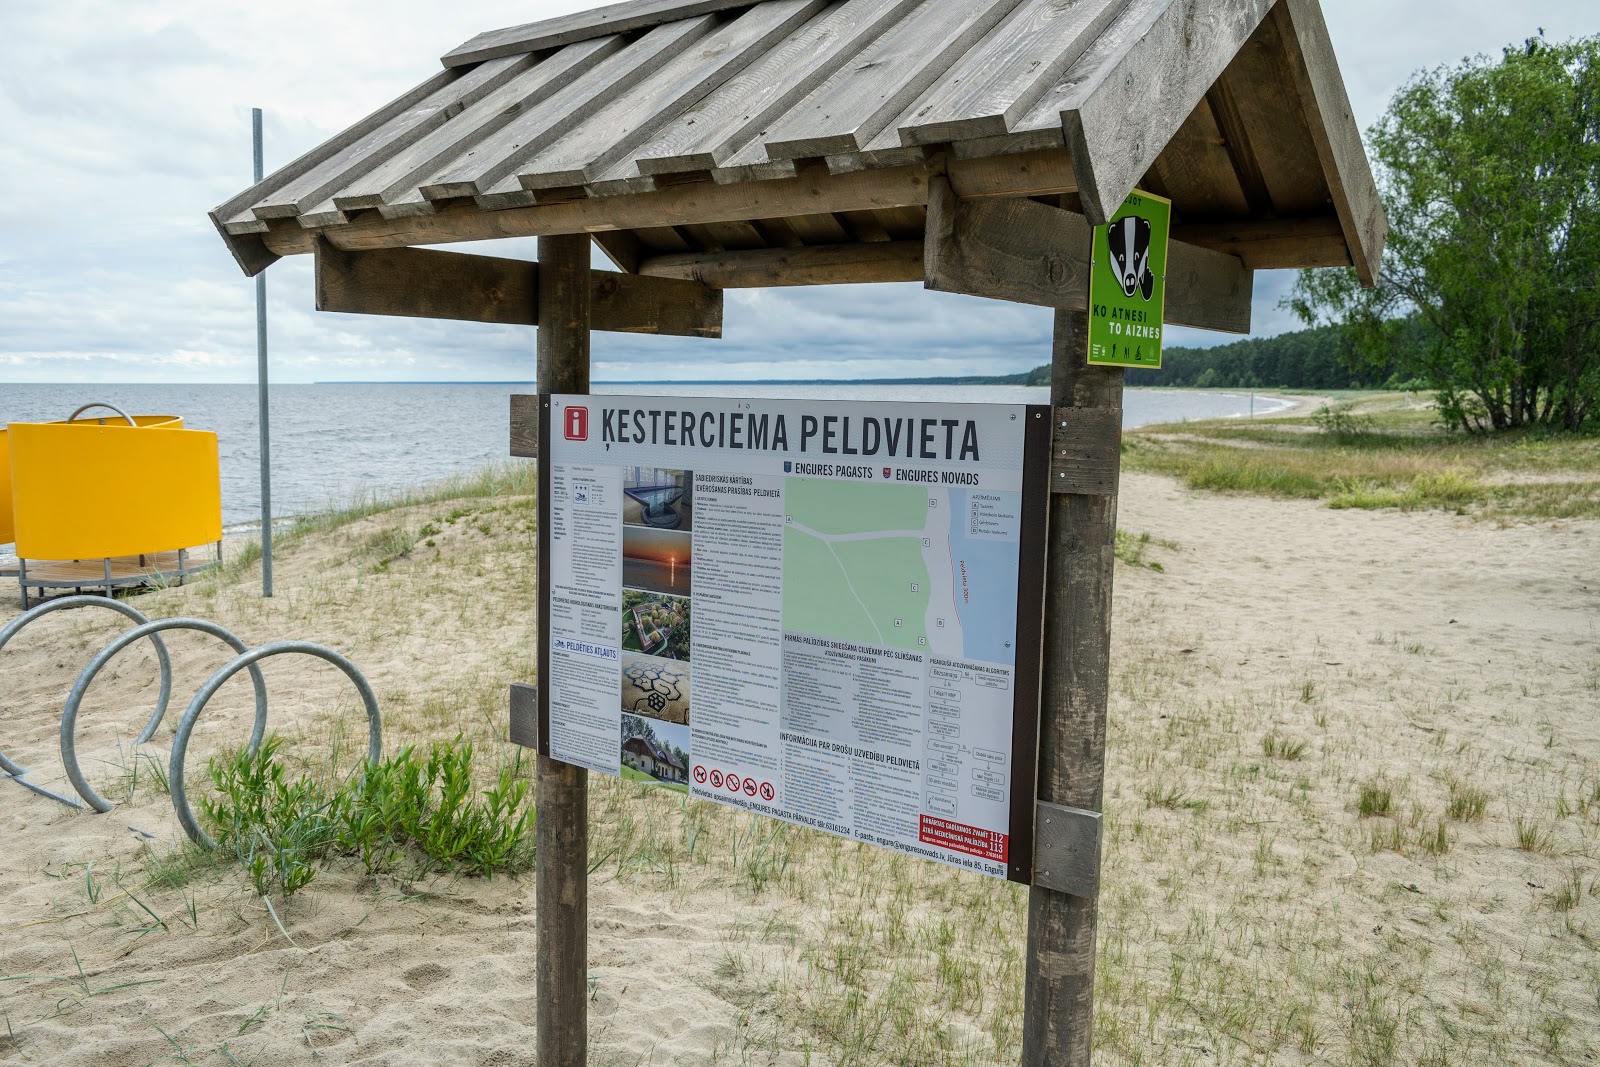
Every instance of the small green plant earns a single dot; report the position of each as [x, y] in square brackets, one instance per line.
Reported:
[1341, 424]
[1532, 836]
[277, 829]
[1438, 842]
[1467, 803]
[1375, 799]
[1130, 550]
[1388, 836]
[408, 806]
[1276, 747]
[390, 545]
[1570, 893]
[1173, 799]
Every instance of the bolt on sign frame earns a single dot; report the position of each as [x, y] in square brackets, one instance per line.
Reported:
[971, 145]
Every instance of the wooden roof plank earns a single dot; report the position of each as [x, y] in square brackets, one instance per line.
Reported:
[582, 26]
[372, 150]
[707, 134]
[392, 178]
[631, 118]
[997, 82]
[1148, 79]
[236, 209]
[1337, 137]
[496, 158]
[859, 100]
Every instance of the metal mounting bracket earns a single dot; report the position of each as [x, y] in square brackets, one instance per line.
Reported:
[1066, 849]
[524, 729]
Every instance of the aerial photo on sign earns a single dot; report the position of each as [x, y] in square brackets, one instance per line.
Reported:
[836, 588]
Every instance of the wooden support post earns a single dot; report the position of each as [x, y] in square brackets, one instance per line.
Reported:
[1059, 996]
[562, 833]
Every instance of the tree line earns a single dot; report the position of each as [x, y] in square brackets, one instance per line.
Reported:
[1318, 358]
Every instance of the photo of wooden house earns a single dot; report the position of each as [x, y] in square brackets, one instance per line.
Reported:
[655, 752]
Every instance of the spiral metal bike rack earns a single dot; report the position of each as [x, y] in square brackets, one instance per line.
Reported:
[247, 659]
[69, 717]
[16, 772]
[180, 740]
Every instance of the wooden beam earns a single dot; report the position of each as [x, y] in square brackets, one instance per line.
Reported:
[1274, 244]
[1208, 290]
[1029, 253]
[1058, 994]
[525, 425]
[1149, 74]
[421, 283]
[561, 916]
[814, 191]
[1334, 129]
[848, 264]
[1014, 250]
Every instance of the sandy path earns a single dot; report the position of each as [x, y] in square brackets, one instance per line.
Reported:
[1247, 911]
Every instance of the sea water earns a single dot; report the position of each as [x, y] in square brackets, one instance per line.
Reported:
[334, 443]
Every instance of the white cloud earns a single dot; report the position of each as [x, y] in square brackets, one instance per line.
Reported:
[125, 122]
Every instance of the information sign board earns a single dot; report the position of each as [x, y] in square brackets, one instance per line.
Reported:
[826, 612]
[1128, 284]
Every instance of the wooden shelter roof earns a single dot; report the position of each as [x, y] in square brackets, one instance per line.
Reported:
[681, 133]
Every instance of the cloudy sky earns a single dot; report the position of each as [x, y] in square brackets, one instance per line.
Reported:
[122, 123]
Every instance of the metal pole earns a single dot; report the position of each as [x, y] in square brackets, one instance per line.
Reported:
[264, 418]
[562, 877]
[1059, 994]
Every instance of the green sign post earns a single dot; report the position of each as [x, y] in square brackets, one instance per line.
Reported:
[1128, 284]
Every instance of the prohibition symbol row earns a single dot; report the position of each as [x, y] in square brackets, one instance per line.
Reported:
[734, 784]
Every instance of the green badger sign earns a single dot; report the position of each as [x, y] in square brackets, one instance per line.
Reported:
[1128, 283]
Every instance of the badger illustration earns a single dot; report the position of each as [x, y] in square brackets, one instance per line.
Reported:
[1129, 239]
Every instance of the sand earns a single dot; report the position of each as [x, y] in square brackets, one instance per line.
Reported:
[1250, 913]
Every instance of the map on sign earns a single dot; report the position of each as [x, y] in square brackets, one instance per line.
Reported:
[922, 568]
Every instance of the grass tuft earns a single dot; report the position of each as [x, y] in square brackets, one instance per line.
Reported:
[1375, 799]
[1533, 837]
[1467, 803]
[1274, 746]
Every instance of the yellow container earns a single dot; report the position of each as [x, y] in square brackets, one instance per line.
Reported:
[90, 489]
[8, 526]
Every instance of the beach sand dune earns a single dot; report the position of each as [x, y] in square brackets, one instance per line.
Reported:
[1285, 658]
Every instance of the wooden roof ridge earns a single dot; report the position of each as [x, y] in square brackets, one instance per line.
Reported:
[630, 16]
